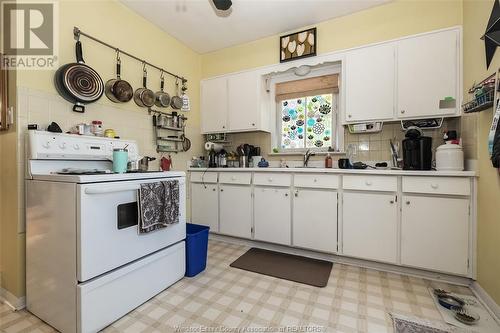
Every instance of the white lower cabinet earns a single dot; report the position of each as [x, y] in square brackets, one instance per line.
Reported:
[434, 233]
[205, 205]
[235, 214]
[315, 219]
[272, 215]
[369, 226]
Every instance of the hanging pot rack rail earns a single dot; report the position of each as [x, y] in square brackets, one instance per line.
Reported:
[78, 33]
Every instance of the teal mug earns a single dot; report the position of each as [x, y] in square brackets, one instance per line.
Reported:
[120, 160]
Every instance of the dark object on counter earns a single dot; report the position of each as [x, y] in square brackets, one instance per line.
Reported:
[118, 90]
[359, 165]
[450, 302]
[144, 163]
[32, 127]
[144, 97]
[344, 163]
[328, 161]
[417, 150]
[263, 163]
[450, 135]
[381, 165]
[78, 83]
[212, 157]
[54, 128]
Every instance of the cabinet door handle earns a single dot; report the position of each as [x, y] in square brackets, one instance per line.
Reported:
[434, 186]
[296, 194]
[403, 111]
[315, 180]
[213, 189]
[368, 182]
[270, 179]
[253, 124]
[349, 115]
[286, 194]
[233, 178]
[392, 201]
[407, 202]
[222, 190]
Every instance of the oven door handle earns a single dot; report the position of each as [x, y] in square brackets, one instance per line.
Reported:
[111, 189]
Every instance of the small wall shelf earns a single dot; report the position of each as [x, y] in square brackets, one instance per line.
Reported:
[163, 134]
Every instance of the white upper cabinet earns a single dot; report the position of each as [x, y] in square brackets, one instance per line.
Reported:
[410, 78]
[214, 105]
[428, 72]
[243, 101]
[234, 103]
[369, 83]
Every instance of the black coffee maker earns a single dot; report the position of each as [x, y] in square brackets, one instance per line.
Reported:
[417, 150]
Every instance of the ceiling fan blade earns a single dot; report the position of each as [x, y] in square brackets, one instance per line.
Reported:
[222, 4]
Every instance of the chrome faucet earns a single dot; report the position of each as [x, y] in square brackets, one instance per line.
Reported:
[307, 155]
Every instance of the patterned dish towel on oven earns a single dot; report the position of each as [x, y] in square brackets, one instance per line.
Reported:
[158, 205]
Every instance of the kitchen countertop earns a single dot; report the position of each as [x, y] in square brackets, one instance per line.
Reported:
[344, 171]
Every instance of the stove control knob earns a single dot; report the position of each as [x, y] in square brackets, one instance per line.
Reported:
[76, 146]
[46, 145]
[62, 145]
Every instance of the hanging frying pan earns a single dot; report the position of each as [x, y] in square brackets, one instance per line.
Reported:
[162, 98]
[118, 90]
[144, 97]
[78, 83]
[176, 101]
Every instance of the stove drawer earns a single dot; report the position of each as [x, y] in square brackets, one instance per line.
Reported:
[103, 300]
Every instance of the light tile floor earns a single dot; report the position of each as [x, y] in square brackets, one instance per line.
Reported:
[355, 300]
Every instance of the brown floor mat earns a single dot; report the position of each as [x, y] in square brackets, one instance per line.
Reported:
[305, 270]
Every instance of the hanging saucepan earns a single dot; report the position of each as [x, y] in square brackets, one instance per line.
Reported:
[118, 90]
[162, 99]
[79, 83]
[144, 97]
[176, 101]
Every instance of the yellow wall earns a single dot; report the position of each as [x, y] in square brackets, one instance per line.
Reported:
[110, 21]
[476, 14]
[388, 21]
[11, 242]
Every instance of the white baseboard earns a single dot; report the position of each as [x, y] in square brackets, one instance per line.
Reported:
[429, 275]
[490, 304]
[16, 303]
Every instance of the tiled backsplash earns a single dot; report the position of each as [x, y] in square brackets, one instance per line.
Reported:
[376, 146]
[369, 147]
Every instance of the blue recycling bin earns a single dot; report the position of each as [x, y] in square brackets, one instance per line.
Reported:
[196, 248]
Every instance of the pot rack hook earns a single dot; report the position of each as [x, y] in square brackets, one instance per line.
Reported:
[118, 55]
[144, 70]
[162, 76]
[76, 34]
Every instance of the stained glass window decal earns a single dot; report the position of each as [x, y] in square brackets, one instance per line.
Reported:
[306, 122]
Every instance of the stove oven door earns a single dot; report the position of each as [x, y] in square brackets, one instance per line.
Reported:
[107, 222]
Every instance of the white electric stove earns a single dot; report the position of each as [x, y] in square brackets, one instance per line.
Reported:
[86, 264]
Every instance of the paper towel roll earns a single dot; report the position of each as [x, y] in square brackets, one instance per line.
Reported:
[215, 146]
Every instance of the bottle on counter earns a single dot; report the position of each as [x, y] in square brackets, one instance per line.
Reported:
[328, 161]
